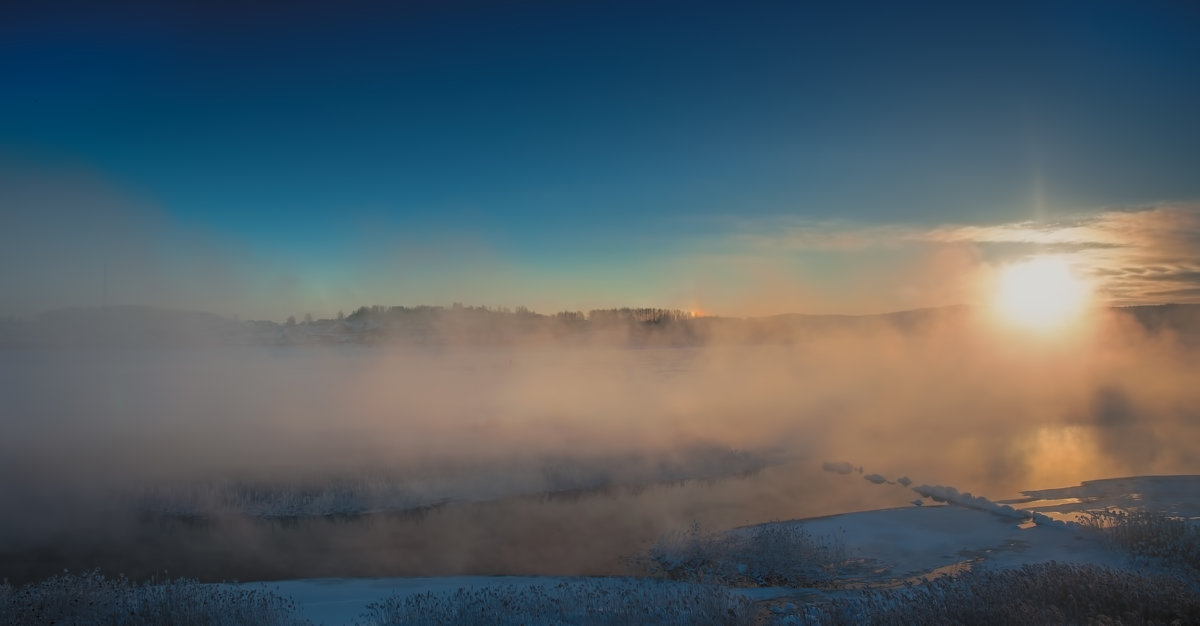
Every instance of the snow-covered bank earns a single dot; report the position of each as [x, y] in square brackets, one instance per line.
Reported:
[853, 568]
[891, 547]
[912, 542]
[383, 490]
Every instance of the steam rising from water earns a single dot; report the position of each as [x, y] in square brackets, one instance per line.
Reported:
[86, 431]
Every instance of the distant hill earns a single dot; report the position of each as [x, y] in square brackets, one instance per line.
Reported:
[117, 326]
[1181, 318]
[799, 325]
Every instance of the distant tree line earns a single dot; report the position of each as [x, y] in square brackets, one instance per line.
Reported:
[625, 314]
[641, 315]
[458, 323]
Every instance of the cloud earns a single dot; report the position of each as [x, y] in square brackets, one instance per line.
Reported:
[1144, 255]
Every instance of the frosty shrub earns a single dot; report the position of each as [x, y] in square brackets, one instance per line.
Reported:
[615, 602]
[1149, 534]
[776, 554]
[92, 598]
[1045, 593]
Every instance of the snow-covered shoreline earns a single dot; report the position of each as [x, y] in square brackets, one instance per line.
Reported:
[897, 546]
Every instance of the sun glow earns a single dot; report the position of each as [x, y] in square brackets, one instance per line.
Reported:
[1041, 293]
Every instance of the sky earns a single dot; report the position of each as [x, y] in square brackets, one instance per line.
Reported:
[732, 158]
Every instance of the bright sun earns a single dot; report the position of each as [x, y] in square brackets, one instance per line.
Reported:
[1040, 293]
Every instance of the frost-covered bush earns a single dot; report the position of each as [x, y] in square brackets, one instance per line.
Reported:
[1150, 534]
[92, 598]
[1046, 593]
[600, 602]
[776, 554]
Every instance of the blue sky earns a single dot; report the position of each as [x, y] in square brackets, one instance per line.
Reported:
[299, 157]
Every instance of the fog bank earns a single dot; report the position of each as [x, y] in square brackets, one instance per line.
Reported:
[89, 432]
